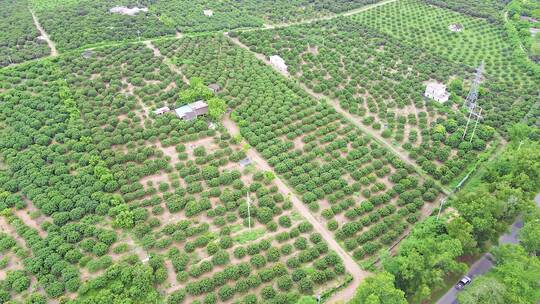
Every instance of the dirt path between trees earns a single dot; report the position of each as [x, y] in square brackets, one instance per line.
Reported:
[352, 267]
[166, 60]
[354, 120]
[44, 34]
[328, 17]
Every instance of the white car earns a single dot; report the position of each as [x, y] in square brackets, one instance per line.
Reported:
[463, 282]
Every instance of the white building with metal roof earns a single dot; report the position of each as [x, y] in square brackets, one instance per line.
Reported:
[437, 91]
[278, 63]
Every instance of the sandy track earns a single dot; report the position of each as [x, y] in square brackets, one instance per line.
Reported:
[328, 17]
[44, 34]
[400, 152]
[352, 267]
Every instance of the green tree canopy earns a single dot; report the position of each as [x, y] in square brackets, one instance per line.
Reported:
[379, 289]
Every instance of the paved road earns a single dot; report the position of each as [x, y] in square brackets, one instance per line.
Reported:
[483, 265]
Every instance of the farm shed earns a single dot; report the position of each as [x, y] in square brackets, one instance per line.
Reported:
[192, 110]
[437, 91]
[456, 27]
[245, 162]
[87, 54]
[161, 111]
[214, 87]
[278, 63]
[208, 13]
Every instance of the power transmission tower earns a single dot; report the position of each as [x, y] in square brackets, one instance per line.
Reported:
[474, 110]
[473, 93]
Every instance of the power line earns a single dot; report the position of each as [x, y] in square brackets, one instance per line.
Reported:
[249, 213]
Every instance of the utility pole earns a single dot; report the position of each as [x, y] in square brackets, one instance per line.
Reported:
[249, 213]
[440, 207]
[139, 35]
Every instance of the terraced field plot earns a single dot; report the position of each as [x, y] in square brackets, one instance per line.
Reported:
[363, 193]
[382, 82]
[19, 39]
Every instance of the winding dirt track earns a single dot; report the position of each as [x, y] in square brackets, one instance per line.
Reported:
[44, 34]
[352, 267]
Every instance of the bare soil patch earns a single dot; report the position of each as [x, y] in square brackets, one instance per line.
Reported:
[122, 10]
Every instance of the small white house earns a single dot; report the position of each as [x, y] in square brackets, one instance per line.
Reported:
[456, 27]
[437, 91]
[161, 111]
[208, 13]
[278, 63]
[214, 87]
[127, 10]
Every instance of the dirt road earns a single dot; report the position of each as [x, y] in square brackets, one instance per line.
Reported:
[352, 267]
[44, 34]
[400, 152]
[328, 17]
[166, 60]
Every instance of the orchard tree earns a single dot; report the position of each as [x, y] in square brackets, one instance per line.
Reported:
[424, 258]
[216, 108]
[379, 289]
[483, 290]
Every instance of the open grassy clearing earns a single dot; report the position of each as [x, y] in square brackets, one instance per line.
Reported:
[19, 38]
